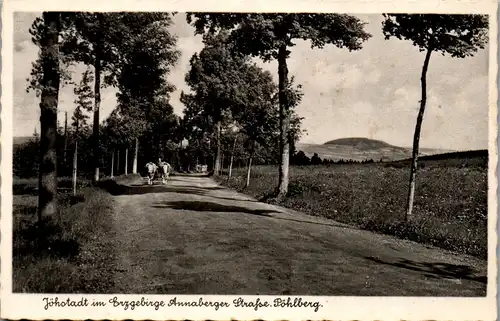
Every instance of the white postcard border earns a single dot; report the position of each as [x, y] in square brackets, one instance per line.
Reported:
[31, 306]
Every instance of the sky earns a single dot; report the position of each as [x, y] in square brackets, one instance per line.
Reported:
[373, 92]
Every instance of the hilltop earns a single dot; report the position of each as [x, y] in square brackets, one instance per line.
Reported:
[19, 140]
[362, 143]
[360, 148]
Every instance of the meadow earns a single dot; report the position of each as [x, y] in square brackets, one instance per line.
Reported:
[71, 253]
[450, 209]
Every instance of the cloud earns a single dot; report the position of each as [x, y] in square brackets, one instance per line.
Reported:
[20, 46]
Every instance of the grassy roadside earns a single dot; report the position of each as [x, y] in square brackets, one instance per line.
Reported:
[72, 253]
[450, 203]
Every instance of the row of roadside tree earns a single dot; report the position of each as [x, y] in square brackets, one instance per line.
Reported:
[233, 107]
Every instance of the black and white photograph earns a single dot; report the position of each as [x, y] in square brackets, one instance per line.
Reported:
[295, 155]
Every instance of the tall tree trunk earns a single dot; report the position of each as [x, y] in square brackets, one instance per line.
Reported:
[230, 173]
[136, 153]
[75, 164]
[118, 162]
[126, 161]
[112, 163]
[97, 93]
[178, 160]
[248, 170]
[47, 180]
[232, 158]
[65, 141]
[416, 137]
[284, 123]
[217, 164]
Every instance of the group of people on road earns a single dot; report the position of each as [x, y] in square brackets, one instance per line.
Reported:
[163, 169]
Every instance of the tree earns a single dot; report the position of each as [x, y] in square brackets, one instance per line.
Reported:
[198, 127]
[215, 79]
[231, 139]
[315, 159]
[116, 130]
[459, 36]
[38, 32]
[269, 36]
[257, 115]
[49, 80]
[149, 54]
[83, 103]
[48, 73]
[300, 159]
[96, 39]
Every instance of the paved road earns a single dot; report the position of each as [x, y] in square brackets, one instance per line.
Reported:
[193, 236]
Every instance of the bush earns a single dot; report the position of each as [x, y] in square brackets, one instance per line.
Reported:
[26, 159]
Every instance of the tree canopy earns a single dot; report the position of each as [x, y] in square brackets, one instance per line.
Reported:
[457, 35]
[269, 36]
[262, 34]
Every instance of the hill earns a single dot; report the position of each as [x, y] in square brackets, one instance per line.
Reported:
[361, 143]
[453, 159]
[21, 140]
[359, 149]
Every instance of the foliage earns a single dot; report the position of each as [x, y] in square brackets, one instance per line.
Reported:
[95, 39]
[84, 94]
[148, 55]
[26, 159]
[316, 160]
[300, 158]
[223, 84]
[457, 35]
[37, 31]
[269, 36]
[214, 76]
[227, 87]
[262, 34]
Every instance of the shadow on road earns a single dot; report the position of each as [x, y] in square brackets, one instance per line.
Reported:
[201, 206]
[212, 207]
[437, 270]
[116, 189]
[138, 189]
[192, 174]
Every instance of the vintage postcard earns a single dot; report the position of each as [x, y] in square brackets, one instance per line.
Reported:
[274, 160]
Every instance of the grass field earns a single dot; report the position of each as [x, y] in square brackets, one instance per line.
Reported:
[450, 203]
[70, 253]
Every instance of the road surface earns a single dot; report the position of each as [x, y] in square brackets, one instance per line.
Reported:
[196, 237]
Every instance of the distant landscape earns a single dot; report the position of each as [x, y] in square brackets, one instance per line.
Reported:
[353, 148]
[360, 149]
[21, 140]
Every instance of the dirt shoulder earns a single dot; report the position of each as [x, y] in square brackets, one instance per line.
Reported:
[193, 236]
